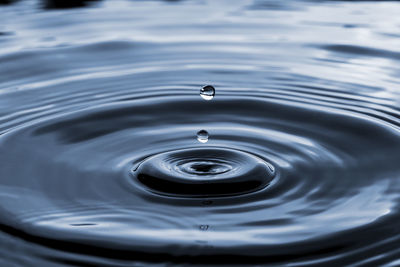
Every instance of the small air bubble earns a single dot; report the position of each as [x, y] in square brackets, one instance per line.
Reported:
[207, 92]
[202, 136]
[204, 227]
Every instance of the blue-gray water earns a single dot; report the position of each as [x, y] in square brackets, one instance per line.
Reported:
[100, 109]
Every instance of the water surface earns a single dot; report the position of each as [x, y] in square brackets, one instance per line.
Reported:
[100, 115]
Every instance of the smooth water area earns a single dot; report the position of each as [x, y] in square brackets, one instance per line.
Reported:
[110, 155]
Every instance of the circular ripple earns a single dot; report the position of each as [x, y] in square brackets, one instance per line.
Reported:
[76, 180]
[204, 172]
[81, 106]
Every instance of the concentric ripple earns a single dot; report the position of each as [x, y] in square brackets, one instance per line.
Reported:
[131, 173]
[109, 157]
[204, 172]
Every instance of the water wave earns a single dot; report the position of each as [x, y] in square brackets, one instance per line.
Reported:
[100, 163]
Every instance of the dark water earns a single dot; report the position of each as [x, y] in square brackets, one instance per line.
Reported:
[99, 118]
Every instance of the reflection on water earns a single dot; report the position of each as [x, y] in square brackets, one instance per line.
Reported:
[100, 164]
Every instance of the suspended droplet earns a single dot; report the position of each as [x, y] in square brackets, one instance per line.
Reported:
[202, 136]
[207, 92]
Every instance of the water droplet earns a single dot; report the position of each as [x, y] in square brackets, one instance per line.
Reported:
[207, 92]
[202, 136]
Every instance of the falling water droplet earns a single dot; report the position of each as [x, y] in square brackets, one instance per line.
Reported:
[207, 92]
[202, 136]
